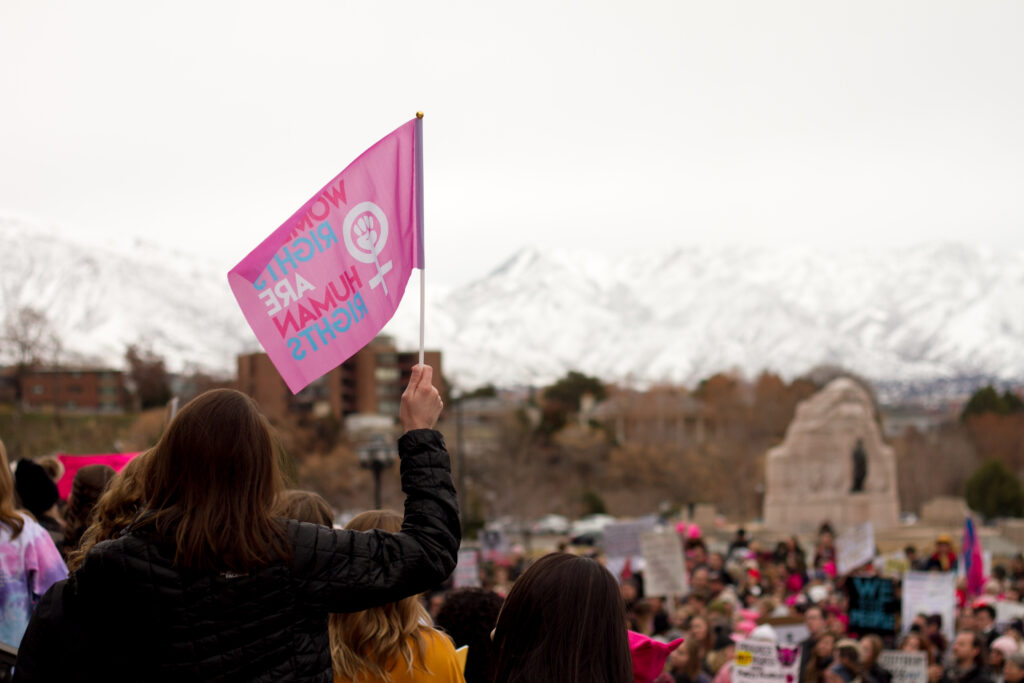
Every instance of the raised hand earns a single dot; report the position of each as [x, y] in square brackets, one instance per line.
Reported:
[421, 403]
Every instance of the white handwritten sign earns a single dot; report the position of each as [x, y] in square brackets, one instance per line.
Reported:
[757, 661]
[905, 667]
[929, 593]
[664, 569]
[855, 547]
[467, 571]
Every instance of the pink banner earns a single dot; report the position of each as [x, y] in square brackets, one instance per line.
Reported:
[73, 463]
[330, 277]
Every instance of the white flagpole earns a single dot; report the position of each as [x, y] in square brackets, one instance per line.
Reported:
[419, 200]
[423, 300]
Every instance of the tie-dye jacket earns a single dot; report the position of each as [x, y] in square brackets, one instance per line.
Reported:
[29, 565]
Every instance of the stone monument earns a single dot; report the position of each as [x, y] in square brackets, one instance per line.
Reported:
[832, 466]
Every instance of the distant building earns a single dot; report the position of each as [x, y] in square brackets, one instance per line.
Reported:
[658, 415]
[82, 389]
[898, 420]
[370, 382]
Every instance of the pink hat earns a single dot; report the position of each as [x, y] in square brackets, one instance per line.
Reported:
[681, 528]
[649, 656]
[694, 531]
[1006, 645]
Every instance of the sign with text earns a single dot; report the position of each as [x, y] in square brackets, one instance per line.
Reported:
[905, 667]
[622, 539]
[664, 569]
[855, 547]
[930, 593]
[1007, 612]
[467, 570]
[758, 661]
[873, 605]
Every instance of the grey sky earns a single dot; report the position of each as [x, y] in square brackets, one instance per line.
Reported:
[616, 125]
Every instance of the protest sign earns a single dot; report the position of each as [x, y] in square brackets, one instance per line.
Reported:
[493, 543]
[855, 547]
[1007, 612]
[873, 605]
[664, 569]
[905, 667]
[764, 662]
[467, 570]
[330, 277]
[73, 463]
[622, 539]
[893, 565]
[930, 593]
[789, 631]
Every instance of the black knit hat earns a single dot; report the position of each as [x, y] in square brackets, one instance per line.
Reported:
[36, 490]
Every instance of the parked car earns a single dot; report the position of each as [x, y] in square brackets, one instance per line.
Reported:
[552, 524]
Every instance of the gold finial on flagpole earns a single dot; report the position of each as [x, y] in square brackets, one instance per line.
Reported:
[419, 115]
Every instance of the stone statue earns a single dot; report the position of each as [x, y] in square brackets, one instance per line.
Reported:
[820, 470]
[860, 467]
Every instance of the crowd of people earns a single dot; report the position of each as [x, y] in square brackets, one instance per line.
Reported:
[194, 563]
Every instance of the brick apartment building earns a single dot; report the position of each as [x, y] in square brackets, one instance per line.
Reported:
[85, 389]
[370, 382]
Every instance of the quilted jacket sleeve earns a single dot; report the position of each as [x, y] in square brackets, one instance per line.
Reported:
[348, 571]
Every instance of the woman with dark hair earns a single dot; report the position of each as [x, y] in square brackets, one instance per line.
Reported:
[468, 615]
[564, 621]
[207, 584]
[393, 643]
[87, 487]
[29, 562]
[116, 509]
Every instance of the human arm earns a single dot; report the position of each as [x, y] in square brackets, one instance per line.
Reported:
[347, 571]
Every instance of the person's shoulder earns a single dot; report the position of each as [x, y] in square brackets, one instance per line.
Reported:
[437, 635]
[440, 657]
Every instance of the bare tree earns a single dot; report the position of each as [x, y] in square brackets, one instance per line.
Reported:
[28, 340]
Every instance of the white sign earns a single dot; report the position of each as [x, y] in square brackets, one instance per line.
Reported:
[758, 661]
[791, 635]
[855, 548]
[930, 593]
[622, 539]
[906, 667]
[1008, 611]
[664, 569]
[467, 571]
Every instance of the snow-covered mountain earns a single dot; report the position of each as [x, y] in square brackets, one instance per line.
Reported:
[934, 312]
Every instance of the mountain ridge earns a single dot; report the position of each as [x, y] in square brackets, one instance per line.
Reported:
[907, 314]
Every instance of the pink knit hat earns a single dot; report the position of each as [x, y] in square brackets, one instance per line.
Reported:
[649, 656]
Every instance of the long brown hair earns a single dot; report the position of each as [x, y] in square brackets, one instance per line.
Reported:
[564, 620]
[211, 484]
[367, 643]
[116, 509]
[8, 516]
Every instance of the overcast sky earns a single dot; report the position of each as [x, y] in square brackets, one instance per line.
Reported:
[616, 125]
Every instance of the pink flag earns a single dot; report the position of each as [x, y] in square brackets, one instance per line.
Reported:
[973, 561]
[324, 283]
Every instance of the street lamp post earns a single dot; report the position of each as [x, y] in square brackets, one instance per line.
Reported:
[377, 455]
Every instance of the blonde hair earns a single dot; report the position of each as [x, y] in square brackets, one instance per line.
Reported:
[8, 515]
[365, 644]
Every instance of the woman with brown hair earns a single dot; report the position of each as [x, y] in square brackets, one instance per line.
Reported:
[207, 584]
[116, 509]
[392, 643]
[29, 561]
[564, 621]
[87, 488]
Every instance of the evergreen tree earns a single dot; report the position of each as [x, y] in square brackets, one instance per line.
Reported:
[994, 491]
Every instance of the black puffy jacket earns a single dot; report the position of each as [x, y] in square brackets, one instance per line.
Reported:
[129, 614]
